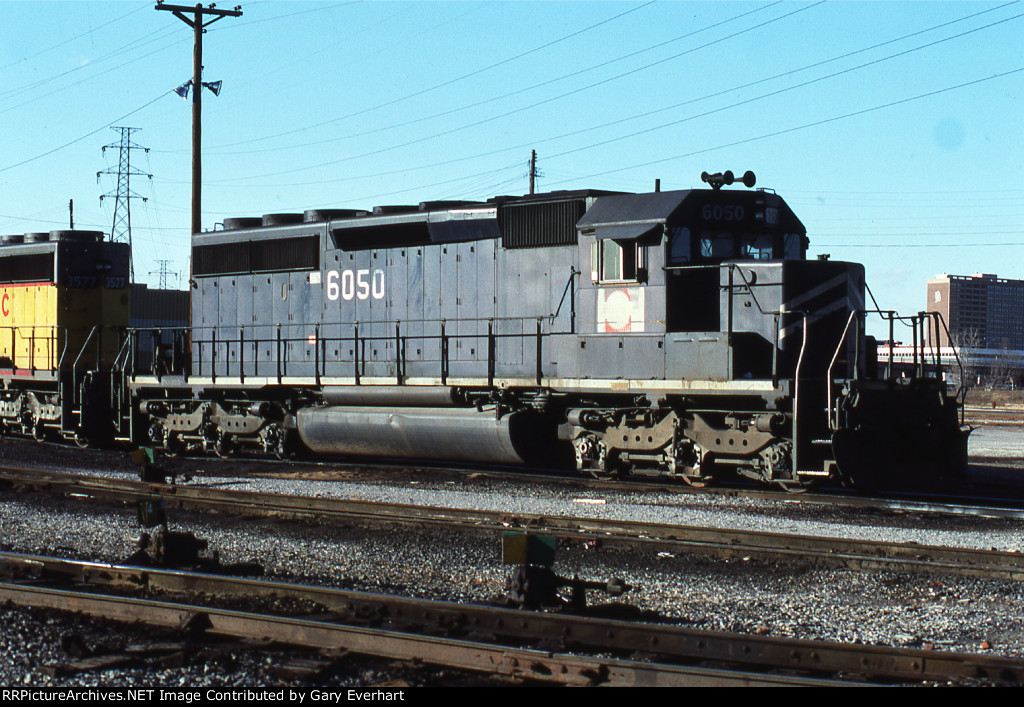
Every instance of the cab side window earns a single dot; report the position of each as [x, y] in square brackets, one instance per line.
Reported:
[616, 261]
[680, 248]
[793, 245]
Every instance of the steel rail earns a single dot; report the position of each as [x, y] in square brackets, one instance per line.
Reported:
[654, 537]
[896, 501]
[561, 632]
[520, 663]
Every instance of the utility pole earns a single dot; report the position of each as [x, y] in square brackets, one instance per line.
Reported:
[198, 26]
[121, 230]
[533, 170]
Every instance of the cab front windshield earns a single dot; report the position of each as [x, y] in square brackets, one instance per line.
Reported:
[716, 246]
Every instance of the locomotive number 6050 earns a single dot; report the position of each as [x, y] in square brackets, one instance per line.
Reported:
[355, 284]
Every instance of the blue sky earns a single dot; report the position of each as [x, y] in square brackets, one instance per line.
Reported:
[893, 129]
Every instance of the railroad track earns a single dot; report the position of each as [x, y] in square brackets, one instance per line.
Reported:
[1009, 503]
[533, 646]
[651, 537]
[993, 415]
[1003, 506]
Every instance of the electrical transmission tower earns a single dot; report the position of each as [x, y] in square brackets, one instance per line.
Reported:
[163, 272]
[121, 231]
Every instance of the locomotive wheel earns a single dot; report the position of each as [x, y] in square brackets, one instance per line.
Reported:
[701, 475]
[697, 481]
[81, 441]
[223, 447]
[695, 467]
[777, 463]
[282, 449]
[792, 486]
[609, 467]
[171, 446]
[593, 457]
[275, 442]
[614, 473]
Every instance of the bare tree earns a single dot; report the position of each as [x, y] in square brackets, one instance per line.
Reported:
[967, 342]
[999, 374]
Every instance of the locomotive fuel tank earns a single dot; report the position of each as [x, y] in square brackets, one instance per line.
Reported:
[450, 434]
[421, 422]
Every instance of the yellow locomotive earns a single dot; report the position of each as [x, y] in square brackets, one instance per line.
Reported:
[64, 309]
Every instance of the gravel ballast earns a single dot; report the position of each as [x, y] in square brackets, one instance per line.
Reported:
[794, 599]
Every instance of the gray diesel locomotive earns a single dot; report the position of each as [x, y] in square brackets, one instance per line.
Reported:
[683, 332]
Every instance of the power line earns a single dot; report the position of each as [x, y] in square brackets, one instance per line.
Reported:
[690, 101]
[72, 39]
[520, 109]
[83, 80]
[676, 106]
[419, 188]
[813, 124]
[920, 245]
[275, 18]
[83, 137]
[780, 91]
[984, 231]
[523, 90]
[18, 90]
[689, 118]
[449, 82]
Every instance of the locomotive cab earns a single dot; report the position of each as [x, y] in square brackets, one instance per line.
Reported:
[765, 353]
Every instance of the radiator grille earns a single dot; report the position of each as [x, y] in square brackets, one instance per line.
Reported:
[273, 255]
[539, 225]
[36, 267]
